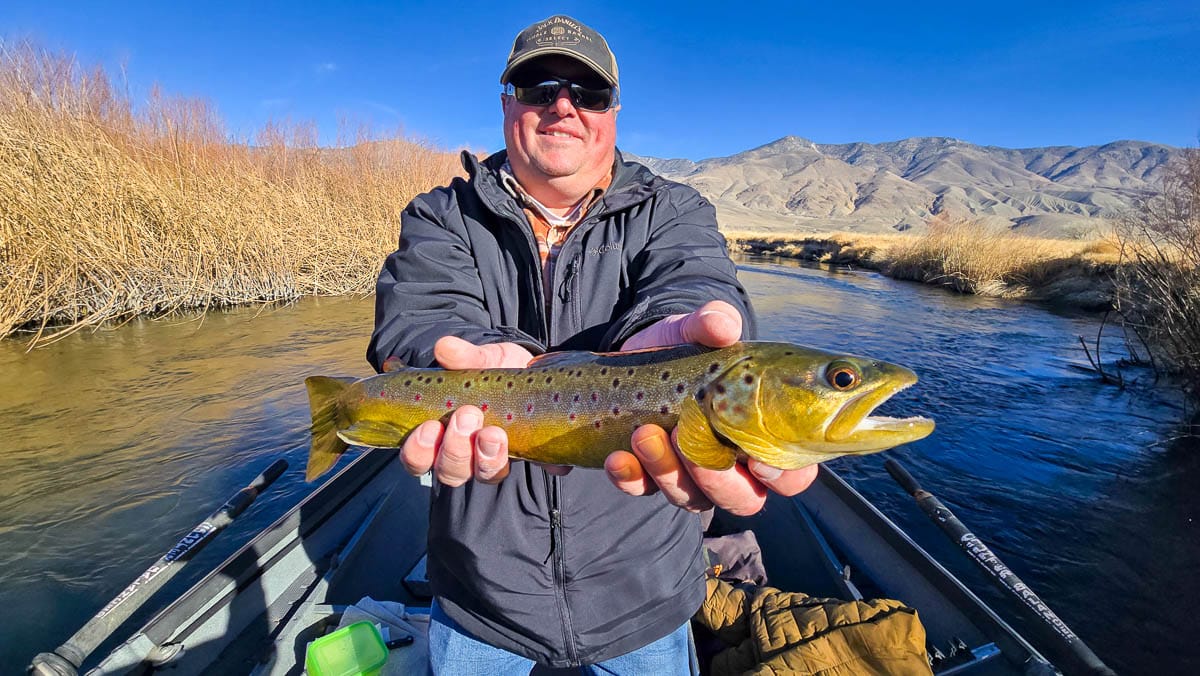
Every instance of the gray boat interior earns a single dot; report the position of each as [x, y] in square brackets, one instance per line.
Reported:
[363, 531]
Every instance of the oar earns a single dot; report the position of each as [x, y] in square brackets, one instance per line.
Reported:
[67, 658]
[1067, 647]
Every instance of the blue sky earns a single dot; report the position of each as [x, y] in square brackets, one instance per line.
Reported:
[698, 79]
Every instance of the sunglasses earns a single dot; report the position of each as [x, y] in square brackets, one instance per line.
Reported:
[545, 92]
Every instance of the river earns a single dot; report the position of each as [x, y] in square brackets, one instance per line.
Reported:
[113, 444]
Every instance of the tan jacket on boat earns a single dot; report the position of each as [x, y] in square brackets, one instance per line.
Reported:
[777, 632]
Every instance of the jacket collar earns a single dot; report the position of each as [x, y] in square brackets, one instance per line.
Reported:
[631, 184]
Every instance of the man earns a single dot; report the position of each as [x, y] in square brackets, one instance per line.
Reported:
[557, 243]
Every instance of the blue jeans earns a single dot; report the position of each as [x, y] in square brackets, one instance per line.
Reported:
[453, 651]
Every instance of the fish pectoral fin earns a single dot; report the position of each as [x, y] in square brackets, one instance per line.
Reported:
[697, 441]
[373, 434]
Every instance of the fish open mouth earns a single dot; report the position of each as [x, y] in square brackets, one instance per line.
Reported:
[855, 419]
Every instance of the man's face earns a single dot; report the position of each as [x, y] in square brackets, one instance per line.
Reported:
[558, 140]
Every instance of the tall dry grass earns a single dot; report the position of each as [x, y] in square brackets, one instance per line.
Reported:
[964, 255]
[1158, 283]
[110, 210]
[973, 257]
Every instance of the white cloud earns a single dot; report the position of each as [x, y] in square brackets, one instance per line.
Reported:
[326, 67]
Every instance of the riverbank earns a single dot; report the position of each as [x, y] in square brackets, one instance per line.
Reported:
[963, 256]
[110, 210]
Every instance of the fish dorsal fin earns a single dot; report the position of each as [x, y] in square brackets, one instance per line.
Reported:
[373, 434]
[568, 358]
[697, 441]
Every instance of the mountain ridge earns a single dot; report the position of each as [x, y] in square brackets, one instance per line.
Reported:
[796, 184]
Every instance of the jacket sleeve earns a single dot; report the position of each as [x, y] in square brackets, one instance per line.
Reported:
[430, 287]
[683, 265]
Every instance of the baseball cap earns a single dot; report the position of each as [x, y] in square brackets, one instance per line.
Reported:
[560, 34]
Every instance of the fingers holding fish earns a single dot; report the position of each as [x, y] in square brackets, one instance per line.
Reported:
[625, 472]
[662, 466]
[491, 455]
[455, 353]
[420, 448]
[715, 324]
[734, 490]
[784, 482]
[453, 465]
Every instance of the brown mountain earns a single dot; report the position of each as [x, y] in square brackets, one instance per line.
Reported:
[794, 184]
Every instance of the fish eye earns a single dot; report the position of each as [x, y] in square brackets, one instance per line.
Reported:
[842, 377]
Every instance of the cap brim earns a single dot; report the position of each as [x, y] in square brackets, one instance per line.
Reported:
[543, 51]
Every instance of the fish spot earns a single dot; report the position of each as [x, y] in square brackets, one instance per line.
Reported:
[700, 393]
[555, 397]
[664, 410]
[529, 380]
[787, 354]
[439, 379]
[449, 404]
[722, 405]
[680, 388]
[639, 396]
[737, 409]
[616, 382]
[408, 382]
[483, 407]
[510, 384]
[595, 397]
[713, 367]
[597, 424]
[616, 410]
[576, 400]
[749, 379]
[467, 385]
[416, 397]
[485, 378]
[629, 372]
[720, 388]
[529, 408]
[571, 417]
[666, 375]
[562, 369]
[382, 394]
[549, 379]
[508, 417]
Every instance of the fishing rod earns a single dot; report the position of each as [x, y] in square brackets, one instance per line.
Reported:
[1067, 647]
[68, 657]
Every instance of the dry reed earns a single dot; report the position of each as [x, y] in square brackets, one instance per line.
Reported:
[966, 256]
[108, 210]
[973, 257]
[1158, 283]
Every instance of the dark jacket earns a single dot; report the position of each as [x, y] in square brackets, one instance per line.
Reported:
[564, 570]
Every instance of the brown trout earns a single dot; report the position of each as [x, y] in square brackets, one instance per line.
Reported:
[785, 405]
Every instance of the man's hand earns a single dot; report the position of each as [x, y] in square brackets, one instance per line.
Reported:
[656, 464]
[464, 449]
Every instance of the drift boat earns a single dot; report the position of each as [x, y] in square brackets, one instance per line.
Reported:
[357, 534]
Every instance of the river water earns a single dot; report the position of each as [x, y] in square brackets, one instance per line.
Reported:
[114, 444]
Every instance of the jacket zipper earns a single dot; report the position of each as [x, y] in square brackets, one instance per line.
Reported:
[565, 288]
[556, 554]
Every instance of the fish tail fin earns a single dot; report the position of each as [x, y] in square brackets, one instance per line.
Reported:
[326, 445]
